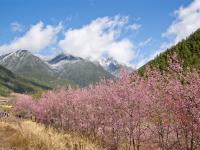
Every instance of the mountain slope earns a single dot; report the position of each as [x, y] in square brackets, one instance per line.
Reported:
[24, 63]
[9, 82]
[81, 72]
[188, 52]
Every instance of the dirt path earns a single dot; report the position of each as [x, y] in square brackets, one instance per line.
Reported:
[6, 131]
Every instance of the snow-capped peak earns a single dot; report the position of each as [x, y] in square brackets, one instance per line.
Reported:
[110, 65]
[113, 66]
[108, 61]
[63, 57]
[15, 55]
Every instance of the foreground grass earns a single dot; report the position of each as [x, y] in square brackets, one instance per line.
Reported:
[27, 135]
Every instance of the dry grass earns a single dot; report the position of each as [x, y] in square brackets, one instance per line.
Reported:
[6, 108]
[27, 135]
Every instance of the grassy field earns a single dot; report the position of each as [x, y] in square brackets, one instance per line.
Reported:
[28, 135]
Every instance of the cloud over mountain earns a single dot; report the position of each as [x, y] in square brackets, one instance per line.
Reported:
[102, 37]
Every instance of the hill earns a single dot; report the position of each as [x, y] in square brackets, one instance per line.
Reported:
[188, 52]
[9, 82]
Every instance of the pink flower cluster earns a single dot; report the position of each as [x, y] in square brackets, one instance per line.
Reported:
[154, 111]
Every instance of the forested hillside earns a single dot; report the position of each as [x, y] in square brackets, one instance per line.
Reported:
[188, 52]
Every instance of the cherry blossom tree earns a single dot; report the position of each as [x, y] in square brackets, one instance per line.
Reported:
[160, 110]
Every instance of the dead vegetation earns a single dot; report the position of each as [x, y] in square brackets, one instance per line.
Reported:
[27, 135]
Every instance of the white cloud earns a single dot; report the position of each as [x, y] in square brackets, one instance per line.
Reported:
[38, 37]
[144, 60]
[146, 42]
[16, 27]
[45, 57]
[187, 21]
[102, 37]
[135, 26]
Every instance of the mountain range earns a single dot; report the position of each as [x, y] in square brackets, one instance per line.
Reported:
[61, 70]
[78, 70]
[21, 71]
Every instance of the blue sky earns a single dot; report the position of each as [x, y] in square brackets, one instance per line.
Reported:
[131, 31]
